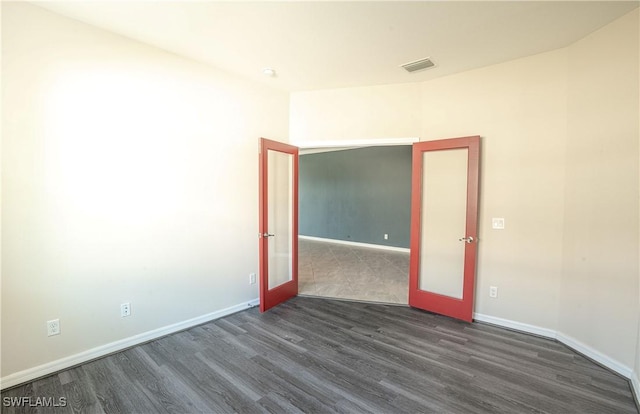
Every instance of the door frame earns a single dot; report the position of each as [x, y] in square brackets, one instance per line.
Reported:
[355, 144]
[363, 143]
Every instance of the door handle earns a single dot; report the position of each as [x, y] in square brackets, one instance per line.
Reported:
[268, 235]
[469, 239]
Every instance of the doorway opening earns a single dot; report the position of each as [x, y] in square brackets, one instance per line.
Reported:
[355, 220]
[444, 199]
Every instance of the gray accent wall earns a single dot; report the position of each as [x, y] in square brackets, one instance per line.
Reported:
[357, 195]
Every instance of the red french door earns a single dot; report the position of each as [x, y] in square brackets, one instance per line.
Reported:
[278, 223]
[444, 224]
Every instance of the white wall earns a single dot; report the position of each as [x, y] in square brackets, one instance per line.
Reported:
[129, 175]
[559, 163]
[599, 287]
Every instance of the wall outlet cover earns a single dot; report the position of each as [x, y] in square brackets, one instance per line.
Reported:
[125, 310]
[53, 327]
[493, 291]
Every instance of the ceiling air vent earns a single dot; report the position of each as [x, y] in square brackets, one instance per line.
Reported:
[421, 64]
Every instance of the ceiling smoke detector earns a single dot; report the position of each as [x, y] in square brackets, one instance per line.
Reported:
[421, 64]
[270, 72]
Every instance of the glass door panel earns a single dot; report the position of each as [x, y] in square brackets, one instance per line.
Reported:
[280, 220]
[444, 212]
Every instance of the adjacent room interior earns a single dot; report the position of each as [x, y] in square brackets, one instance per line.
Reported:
[130, 204]
[354, 213]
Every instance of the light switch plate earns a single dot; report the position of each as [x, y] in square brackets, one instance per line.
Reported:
[497, 223]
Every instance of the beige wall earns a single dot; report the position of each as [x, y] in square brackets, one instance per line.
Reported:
[636, 370]
[599, 287]
[559, 163]
[519, 108]
[636, 378]
[129, 175]
[355, 113]
[636, 373]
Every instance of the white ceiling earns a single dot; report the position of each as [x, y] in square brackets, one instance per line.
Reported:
[320, 45]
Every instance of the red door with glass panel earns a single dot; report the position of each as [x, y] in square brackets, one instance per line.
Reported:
[278, 223]
[444, 226]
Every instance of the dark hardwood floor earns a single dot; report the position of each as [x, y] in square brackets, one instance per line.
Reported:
[321, 356]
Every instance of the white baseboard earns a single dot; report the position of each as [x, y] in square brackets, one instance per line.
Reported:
[518, 326]
[103, 350]
[597, 356]
[635, 386]
[572, 343]
[357, 244]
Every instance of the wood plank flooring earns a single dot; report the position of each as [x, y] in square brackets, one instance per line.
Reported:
[323, 356]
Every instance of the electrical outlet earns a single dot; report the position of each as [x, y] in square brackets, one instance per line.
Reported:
[493, 291]
[125, 310]
[252, 278]
[53, 327]
[386, 236]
